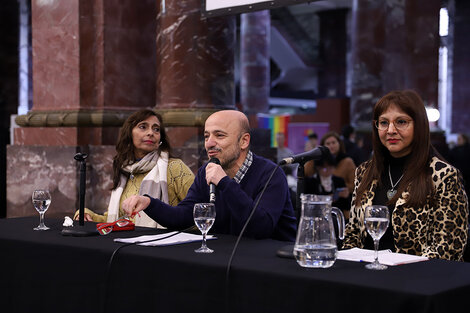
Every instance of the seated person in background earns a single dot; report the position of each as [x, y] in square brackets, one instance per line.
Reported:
[425, 196]
[282, 151]
[351, 146]
[312, 142]
[344, 165]
[239, 178]
[323, 182]
[144, 165]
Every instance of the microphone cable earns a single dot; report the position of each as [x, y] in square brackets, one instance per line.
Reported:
[110, 262]
[227, 273]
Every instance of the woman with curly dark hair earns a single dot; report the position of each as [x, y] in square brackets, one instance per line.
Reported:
[142, 165]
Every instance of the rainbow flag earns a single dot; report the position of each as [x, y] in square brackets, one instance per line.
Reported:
[277, 124]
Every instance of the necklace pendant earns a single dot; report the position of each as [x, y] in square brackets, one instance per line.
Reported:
[131, 176]
[391, 193]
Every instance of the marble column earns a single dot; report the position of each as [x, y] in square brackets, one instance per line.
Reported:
[395, 45]
[460, 24]
[333, 48]
[12, 14]
[254, 61]
[195, 58]
[93, 64]
[195, 72]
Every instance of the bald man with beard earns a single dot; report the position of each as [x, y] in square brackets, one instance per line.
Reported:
[239, 179]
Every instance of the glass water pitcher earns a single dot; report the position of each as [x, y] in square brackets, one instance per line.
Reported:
[315, 244]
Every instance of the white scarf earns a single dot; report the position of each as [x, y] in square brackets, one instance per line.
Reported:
[154, 184]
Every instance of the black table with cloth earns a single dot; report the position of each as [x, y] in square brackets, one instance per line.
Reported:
[43, 271]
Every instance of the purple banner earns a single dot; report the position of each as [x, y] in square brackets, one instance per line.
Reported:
[298, 134]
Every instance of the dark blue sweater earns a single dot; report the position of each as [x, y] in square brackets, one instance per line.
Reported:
[274, 217]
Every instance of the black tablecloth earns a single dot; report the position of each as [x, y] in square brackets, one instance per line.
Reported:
[47, 272]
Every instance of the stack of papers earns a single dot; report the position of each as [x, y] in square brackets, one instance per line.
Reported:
[156, 240]
[385, 256]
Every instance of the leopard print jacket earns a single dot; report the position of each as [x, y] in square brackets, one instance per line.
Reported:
[434, 232]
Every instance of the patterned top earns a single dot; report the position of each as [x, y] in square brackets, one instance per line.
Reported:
[438, 231]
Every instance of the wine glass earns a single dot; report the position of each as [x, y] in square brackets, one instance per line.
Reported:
[41, 202]
[204, 217]
[376, 219]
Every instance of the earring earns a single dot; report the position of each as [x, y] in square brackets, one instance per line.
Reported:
[160, 143]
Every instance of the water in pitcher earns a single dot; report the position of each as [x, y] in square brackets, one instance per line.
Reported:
[316, 255]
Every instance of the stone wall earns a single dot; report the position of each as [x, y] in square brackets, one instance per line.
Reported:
[54, 168]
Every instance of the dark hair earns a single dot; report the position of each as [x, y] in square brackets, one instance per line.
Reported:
[464, 137]
[125, 145]
[312, 136]
[417, 173]
[336, 135]
[347, 131]
[326, 160]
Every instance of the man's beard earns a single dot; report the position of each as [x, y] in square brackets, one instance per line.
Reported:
[227, 164]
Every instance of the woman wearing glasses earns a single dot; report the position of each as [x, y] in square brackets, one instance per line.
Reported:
[425, 195]
[144, 165]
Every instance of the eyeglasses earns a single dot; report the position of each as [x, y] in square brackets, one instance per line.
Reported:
[400, 124]
[123, 223]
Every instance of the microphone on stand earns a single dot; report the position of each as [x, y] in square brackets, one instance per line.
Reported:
[81, 157]
[81, 230]
[315, 154]
[211, 185]
[318, 153]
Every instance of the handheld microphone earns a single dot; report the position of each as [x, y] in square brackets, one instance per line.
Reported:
[211, 185]
[315, 154]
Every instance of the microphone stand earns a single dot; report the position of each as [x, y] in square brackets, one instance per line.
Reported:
[81, 158]
[288, 250]
[300, 190]
[81, 230]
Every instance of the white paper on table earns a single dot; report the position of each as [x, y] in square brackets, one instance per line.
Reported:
[385, 256]
[157, 241]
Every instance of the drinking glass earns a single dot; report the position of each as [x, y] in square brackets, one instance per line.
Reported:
[41, 202]
[204, 217]
[376, 220]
